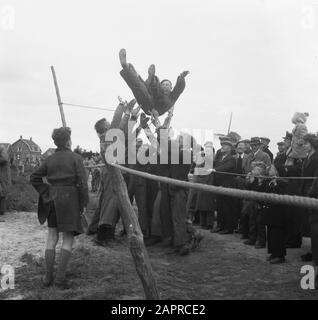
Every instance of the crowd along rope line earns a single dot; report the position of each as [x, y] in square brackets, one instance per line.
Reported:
[305, 202]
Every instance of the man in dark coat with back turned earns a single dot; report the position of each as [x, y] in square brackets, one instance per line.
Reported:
[62, 201]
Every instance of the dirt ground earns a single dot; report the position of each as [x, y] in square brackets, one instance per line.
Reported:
[222, 268]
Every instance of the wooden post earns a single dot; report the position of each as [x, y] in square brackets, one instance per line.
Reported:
[59, 101]
[134, 233]
[230, 123]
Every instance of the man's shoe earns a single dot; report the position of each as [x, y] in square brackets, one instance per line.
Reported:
[260, 246]
[122, 58]
[90, 232]
[152, 241]
[277, 260]
[269, 258]
[198, 236]
[216, 230]
[249, 242]
[167, 243]
[293, 246]
[101, 243]
[243, 237]
[306, 257]
[226, 232]
[184, 250]
[47, 281]
[62, 284]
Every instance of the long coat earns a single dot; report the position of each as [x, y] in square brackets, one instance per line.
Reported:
[5, 175]
[275, 214]
[66, 190]
[279, 163]
[309, 188]
[205, 201]
[227, 164]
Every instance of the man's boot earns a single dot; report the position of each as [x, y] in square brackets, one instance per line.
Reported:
[60, 280]
[122, 58]
[49, 264]
[151, 73]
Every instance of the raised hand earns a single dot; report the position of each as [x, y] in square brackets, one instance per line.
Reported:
[135, 113]
[129, 106]
[144, 120]
[184, 74]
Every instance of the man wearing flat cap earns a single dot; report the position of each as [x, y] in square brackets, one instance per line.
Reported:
[265, 142]
[248, 148]
[257, 155]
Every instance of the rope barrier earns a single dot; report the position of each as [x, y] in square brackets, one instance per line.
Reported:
[267, 177]
[233, 174]
[304, 202]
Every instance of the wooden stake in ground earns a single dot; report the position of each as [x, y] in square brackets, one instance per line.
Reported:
[59, 101]
[132, 227]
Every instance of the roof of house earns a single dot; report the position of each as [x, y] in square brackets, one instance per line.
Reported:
[30, 143]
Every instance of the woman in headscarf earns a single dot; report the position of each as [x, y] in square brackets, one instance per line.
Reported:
[62, 201]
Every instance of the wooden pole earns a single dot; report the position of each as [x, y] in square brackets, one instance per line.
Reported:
[132, 227]
[59, 101]
[229, 128]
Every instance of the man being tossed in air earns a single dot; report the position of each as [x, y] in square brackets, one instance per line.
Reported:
[151, 94]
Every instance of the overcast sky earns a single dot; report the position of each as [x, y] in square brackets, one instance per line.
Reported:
[256, 58]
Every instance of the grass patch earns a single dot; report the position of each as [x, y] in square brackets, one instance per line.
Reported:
[22, 196]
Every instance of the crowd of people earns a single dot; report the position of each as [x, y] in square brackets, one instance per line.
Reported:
[168, 213]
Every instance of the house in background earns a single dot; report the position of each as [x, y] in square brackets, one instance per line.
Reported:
[48, 153]
[24, 151]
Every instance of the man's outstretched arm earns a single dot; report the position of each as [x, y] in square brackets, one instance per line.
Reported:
[179, 86]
